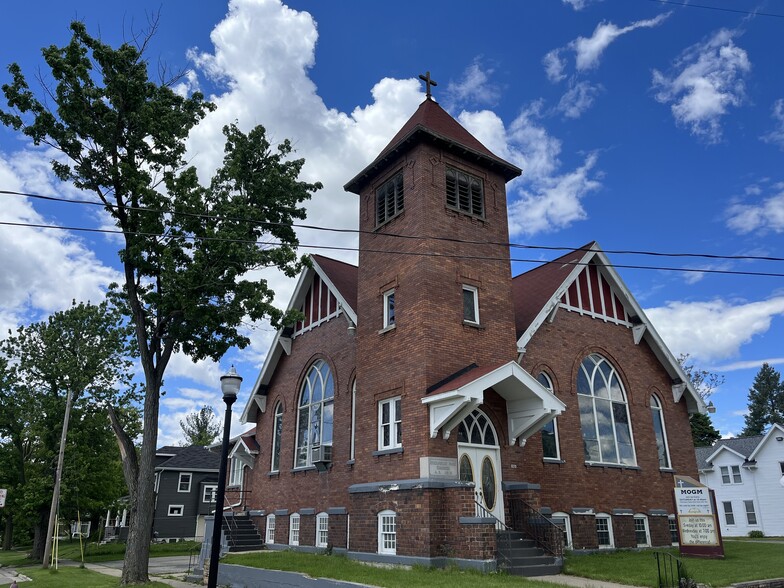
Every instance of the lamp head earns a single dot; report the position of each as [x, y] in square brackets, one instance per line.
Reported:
[230, 383]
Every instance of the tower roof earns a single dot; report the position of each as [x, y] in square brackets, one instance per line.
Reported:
[432, 123]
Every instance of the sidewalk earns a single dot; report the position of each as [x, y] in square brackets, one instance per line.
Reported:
[579, 582]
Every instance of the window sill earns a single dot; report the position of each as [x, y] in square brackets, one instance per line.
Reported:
[388, 451]
[552, 460]
[387, 329]
[473, 325]
[667, 470]
[274, 474]
[617, 466]
[303, 469]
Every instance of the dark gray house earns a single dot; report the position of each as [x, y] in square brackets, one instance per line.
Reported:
[186, 479]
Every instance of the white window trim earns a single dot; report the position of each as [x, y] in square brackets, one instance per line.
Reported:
[236, 472]
[642, 517]
[395, 422]
[213, 489]
[385, 514]
[387, 323]
[551, 388]
[731, 512]
[608, 518]
[353, 418]
[475, 292]
[753, 511]
[659, 409]
[731, 470]
[184, 476]
[275, 424]
[322, 525]
[181, 508]
[269, 535]
[294, 529]
[567, 526]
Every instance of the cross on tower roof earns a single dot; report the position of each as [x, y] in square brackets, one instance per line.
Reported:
[428, 82]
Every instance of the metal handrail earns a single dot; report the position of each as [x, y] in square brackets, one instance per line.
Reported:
[671, 572]
[481, 511]
[537, 526]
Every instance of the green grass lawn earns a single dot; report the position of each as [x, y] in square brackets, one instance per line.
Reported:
[94, 552]
[71, 576]
[743, 561]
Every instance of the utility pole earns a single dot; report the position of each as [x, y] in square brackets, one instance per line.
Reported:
[58, 475]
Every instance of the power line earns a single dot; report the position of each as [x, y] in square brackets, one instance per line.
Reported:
[411, 253]
[717, 8]
[395, 235]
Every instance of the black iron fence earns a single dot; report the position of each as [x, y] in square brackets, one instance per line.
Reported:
[671, 572]
[537, 526]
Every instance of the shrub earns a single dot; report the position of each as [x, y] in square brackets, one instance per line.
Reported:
[756, 534]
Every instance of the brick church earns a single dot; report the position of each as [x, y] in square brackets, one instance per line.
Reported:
[430, 401]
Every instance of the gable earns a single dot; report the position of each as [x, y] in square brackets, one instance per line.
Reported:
[773, 438]
[592, 294]
[319, 304]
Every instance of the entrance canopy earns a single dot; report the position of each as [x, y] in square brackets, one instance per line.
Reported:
[529, 405]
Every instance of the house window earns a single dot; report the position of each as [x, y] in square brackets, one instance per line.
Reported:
[235, 472]
[353, 416]
[781, 467]
[550, 445]
[641, 530]
[277, 431]
[729, 516]
[390, 435]
[751, 516]
[661, 435]
[470, 305]
[561, 520]
[604, 414]
[322, 529]
[464, 192]
[270, 538]
[389, 200]
[294, 529]
[176, 510]
[314, 421]
[184, 483]
[673, 523]
[730, 475]
[387, 533]
[604, 531]
[210, 492]
[389, 309]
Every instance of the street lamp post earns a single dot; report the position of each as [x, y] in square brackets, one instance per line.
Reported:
[230, 386]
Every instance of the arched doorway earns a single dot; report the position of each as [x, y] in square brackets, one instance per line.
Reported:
[479, 461]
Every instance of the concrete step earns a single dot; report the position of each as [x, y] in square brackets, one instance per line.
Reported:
[533, 571]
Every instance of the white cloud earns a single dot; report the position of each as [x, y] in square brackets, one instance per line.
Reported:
[474, 87]
[766, 215]
[754, 364]
[204, 371]
[578, 99]
[579, 4]
[776, 136]
[706, 80]
[554, 65]
[713, 330]
[589, 50]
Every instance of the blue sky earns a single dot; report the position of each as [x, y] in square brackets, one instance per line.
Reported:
[646, 126]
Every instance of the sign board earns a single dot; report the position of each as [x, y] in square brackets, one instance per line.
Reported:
[3, 493]
[697, 522]
[438, 468]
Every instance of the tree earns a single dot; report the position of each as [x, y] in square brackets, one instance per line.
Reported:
[200, 427]
[187, 247]
[703, 433]
[766, 402]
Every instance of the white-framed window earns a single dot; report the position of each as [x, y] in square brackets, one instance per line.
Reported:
[731, 475]
[673, 524]
[387, 532]
[353, 418]
[294, 529]
[184, 483]
[235, 472]
[470, 305]
[322, 529]
[660, 432]
[641, 533]
[561, 520]
[604, 413]
[277, 432]
[389, 199]
[389, 309]
[464, 192]
[729, 516]
[176, 510]
[550, 446]
[604, 531]
[390, 435]
[270, 535]
[210, 492]
[751, 515]
[314, 416]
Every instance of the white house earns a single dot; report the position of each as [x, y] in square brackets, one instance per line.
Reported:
[747, 475]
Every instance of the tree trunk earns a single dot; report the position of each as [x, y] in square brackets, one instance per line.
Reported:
[39, 535]
[8, 532]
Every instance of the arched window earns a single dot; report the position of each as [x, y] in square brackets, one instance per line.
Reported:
[387, 532]
[561, 520]
[550, 447]
[660, 432]
[314, 419]
[277, 428]
[353, 418]
[477, 429]
[294, 529]
[270, 528]
[322, 529]
[604, 414]
[604, 531]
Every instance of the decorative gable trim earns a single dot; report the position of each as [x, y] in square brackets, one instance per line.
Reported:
[713, 455]
[775, 431]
